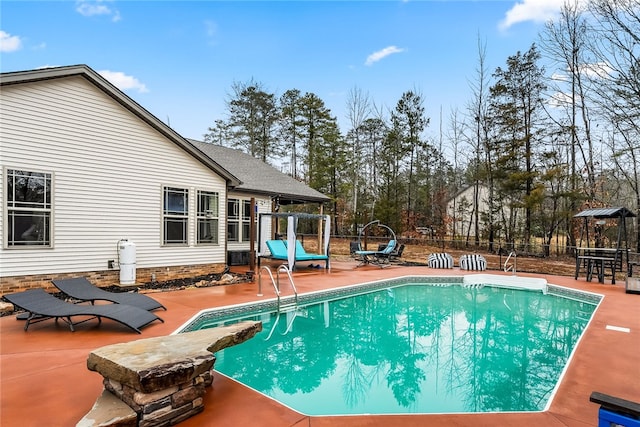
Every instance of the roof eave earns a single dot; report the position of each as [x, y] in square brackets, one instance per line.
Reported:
[293, 198]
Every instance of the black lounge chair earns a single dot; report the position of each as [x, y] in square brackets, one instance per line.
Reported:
[380, 258]
[80, 288]
[41, 306]
[394, 255]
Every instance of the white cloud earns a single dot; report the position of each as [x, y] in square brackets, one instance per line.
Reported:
[560, 77]
[560, 100]
[97, 7]
[122, 81]
[600, 70]
[595, 70]
[377, 56]
[211, 30]
[9, 43]
[531, 10]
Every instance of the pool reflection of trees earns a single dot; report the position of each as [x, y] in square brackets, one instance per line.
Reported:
[491, 352]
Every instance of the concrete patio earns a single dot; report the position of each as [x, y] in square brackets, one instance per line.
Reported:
[45, 382]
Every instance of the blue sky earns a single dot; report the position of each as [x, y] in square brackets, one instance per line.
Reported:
[179, 59]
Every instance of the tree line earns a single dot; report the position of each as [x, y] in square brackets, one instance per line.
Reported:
[552, 132]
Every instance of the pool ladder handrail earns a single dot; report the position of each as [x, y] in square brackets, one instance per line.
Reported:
[276, 286]
[507, 267]
[276, 282]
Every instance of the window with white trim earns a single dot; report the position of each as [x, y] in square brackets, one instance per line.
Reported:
[233, 220]
[238, 220]
[208, 217]
[175, 216]
[246, 221]
[29, 208]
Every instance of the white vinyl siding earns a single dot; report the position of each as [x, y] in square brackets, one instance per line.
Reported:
[110, 168]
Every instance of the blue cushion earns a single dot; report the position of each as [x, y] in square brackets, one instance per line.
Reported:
[277, 248]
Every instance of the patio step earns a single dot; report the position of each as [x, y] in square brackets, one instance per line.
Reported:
[109, 411]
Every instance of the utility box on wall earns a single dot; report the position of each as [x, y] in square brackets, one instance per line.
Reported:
[127, 262]
[238, 258]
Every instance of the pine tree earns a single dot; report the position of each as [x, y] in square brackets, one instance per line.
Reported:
[516, 106]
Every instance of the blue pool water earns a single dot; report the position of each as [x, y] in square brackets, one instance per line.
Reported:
[414, 348]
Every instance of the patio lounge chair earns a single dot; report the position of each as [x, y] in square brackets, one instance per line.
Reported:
[395, 254]
[379, 258]
[80, 288]
[440, 260]
[41, 306]
[473, 262]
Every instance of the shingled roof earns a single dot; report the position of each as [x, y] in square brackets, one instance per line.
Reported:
[258, 177]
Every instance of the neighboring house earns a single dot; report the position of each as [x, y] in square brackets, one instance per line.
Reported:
[462, 212]
[460, 209]
[269, 188]
[83, 166]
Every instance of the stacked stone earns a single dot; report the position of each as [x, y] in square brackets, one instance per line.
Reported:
[165, 407]
[163, 379]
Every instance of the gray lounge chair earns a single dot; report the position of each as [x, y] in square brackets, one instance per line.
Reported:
[41, 306]
[81, 289]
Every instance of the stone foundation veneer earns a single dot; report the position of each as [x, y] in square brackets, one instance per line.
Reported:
[11, 284]
[163, 379]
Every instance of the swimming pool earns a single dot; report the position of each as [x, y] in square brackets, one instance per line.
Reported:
[410, 345]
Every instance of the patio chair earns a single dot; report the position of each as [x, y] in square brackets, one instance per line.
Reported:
[41, 306]
[354, 247]
[394, 254]
[380, 258]
[473, 262]
[440, 260]
[80, 288]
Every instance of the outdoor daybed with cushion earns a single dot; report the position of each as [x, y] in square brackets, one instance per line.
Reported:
[440, 260]
[278, 249]
[41, 305]
[81, 289]
[473, 262]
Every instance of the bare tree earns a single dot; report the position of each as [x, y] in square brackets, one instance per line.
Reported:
[482, 163]
[617, 83]
[565, 41]
[358, 110]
